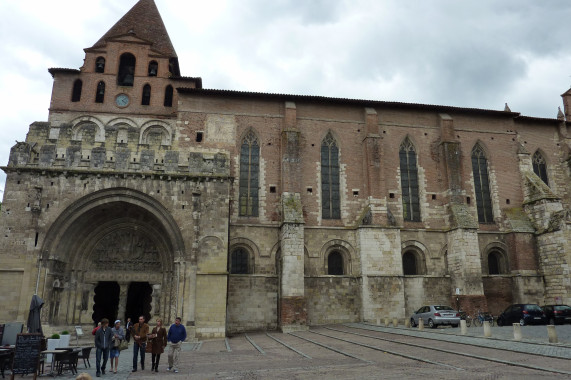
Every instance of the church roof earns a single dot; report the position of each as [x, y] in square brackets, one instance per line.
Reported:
[144, 21]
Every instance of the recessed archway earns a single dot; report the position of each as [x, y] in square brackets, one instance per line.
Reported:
[114, 235]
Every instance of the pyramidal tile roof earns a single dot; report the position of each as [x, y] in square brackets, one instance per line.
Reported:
[144, 20]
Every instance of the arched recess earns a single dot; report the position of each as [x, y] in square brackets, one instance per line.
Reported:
[122, 121]
[344, 249]
[115, 234]
[248, 246]
[495, 259]
[156, 125]
[414, 256]
[126, 129]
[80, 122]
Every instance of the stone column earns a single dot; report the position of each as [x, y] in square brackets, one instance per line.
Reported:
[552, 231]
[382, 288]
[122, 310]
[293, 310]
[374, 183]
[464, 259]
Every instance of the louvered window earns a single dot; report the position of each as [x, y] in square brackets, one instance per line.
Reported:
[409, 182]
[76, 93]
[146, 99]
[100, 94]
[168, 96]
[330, 199]
[249, 173]
[482, 185]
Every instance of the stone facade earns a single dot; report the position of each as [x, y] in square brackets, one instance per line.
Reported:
[115, 210]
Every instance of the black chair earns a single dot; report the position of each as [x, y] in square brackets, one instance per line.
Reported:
[84, 354]
[67, 361]
[6, 358]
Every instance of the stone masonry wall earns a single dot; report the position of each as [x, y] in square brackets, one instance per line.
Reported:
[252, 303]
[332, 299]
[424, 290]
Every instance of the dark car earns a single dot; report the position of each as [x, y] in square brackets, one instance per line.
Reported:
[522, 313]
[557, 314]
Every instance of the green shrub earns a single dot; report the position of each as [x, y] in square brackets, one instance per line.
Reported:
[55, 336]
[65, 332]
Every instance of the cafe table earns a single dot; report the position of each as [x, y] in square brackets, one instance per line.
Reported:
[52, 365]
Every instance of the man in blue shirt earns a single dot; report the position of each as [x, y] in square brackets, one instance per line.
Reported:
[175, 336]
[103, 343]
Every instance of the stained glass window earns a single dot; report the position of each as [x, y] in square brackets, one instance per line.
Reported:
[409, 181]
[249, 175]
[482, 185]
[330, 196]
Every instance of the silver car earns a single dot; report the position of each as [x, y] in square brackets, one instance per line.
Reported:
[434, 315]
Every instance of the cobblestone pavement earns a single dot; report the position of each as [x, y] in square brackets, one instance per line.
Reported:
[306, 355]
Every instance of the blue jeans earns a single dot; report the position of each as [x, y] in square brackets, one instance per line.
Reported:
[98, 353]
[136, 349]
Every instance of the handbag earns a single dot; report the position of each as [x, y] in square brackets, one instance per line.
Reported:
[123, 345]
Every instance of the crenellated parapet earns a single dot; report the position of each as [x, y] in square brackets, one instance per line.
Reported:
[90, 145]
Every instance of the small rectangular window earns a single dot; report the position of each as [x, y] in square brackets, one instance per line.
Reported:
[198, 136]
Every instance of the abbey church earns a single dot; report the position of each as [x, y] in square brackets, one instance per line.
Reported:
[146, 194]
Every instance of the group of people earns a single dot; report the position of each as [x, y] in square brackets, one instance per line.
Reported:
[108, 341]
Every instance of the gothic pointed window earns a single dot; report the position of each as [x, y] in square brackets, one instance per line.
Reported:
[153, 68]
[539, 167]
[330, 194]
[168, 96]
[239, 261]
[100, 93]
[146, 99]
[335, 264]
[76, 92]
[100, 65]
[126, 74]
[409, 182]
[482, 185]
[249, 173]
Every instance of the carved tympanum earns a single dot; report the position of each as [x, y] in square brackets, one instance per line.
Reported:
[126, 250]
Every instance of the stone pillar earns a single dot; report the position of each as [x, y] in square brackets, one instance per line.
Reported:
[552, 231]
[382, 290]
[156, 301]
[464, 260]
[373, 181]
[293, 310]
[122, 310]
[465, 267]
[290, 144]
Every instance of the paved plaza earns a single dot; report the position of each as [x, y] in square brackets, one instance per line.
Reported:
[300, 355]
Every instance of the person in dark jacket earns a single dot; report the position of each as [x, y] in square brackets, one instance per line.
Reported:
[103, 343]
[176, 335]
[157, 343]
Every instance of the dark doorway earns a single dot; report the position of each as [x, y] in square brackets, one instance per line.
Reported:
[139, 301]
[106, 301]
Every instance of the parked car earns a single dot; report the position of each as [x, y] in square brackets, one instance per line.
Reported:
[557, 314]
[524, 314]
[434, 315]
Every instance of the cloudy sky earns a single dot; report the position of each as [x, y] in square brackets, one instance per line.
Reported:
[471, 53]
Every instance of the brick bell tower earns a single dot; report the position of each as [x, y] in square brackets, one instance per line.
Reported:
[131, 70]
